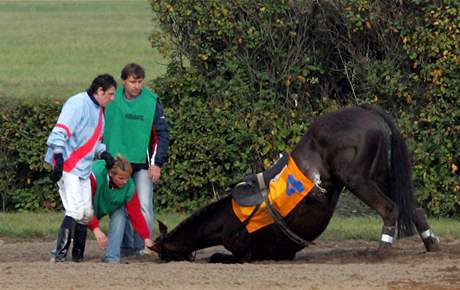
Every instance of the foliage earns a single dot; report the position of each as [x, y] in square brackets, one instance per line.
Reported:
[246, 78]
[24, 127]
[265, 69]
[430, 39]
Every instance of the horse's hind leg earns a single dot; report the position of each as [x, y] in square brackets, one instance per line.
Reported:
[366, 176]
[369, 192]
[430, 240]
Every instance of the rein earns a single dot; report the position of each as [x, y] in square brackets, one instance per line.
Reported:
[277, 216]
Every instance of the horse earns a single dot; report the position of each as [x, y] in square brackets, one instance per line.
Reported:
[358, 148]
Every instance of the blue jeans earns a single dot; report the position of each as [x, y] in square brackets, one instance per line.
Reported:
[117, 225]
[144, 188]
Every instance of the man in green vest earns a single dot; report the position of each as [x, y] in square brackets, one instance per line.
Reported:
[135, 127]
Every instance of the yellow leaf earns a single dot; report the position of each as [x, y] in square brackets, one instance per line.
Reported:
[267, 163]
[301, 79]
[203, 57]
[287, 83]
[454, 168]
[436, 75]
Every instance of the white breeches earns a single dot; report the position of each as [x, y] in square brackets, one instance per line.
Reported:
[76, 197]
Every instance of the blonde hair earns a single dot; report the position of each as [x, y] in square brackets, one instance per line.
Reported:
[121, 164]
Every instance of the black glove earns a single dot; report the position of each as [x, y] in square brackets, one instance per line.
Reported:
[56, 174]
[109, 161]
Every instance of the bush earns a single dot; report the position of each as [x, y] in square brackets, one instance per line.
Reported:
[246, 78]
[24, 128]
[274, 65]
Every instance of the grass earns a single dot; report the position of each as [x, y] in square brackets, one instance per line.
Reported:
[29, 225]
[369, 228]
[33, 225]
[54, 48]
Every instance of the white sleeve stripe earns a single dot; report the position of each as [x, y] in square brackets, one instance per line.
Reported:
[152, 160]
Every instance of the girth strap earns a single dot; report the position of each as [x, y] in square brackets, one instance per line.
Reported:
[261, 181]
[280, 221]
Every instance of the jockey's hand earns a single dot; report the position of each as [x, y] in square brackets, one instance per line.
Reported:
[101, 238]
[155, 172]
[56, 174]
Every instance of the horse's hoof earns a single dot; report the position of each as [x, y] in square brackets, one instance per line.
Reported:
[432, 244]
[383, 250]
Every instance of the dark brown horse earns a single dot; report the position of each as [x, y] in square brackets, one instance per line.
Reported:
[346, 149]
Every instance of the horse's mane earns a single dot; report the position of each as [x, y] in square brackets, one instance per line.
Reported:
[199, 214]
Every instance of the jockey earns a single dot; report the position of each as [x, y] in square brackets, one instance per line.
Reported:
[72, 145]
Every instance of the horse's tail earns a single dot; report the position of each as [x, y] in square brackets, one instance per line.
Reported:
[402, 192]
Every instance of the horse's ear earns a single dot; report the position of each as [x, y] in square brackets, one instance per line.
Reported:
[163, 227]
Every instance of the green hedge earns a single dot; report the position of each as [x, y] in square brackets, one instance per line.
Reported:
[246, 79]
[276, 64]
[24, 128]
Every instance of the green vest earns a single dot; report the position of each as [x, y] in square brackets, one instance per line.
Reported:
[107, 200]
[128, 124]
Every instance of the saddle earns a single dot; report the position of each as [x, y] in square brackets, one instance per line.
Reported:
[249, 191]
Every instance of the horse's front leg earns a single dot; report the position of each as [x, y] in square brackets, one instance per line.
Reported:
[228, 258]
[237, 240]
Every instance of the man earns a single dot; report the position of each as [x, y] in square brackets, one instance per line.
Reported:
[72, 145]
[137, 129]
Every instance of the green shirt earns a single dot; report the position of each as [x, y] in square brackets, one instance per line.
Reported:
[128, 124]
[106, 200]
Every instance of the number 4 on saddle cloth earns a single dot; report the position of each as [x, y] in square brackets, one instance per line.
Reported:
[288, 186]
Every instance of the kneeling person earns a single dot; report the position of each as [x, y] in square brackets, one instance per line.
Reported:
[114, 195]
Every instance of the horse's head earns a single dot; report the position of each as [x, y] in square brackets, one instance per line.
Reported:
[168, 250]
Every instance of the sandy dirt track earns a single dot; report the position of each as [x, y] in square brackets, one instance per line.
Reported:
[325, 265]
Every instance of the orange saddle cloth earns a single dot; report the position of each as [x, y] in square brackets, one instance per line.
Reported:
[285, 192]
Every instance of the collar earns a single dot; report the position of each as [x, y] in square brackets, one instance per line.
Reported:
[93, 99]
[112, 185]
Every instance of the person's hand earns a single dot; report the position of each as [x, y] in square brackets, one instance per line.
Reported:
[148, 247]
[109, 161]
[56, 174]
[155, 173]
[101, 238]
[148, 243]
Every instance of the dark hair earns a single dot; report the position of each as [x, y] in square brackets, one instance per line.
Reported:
[132, 69]
[104, 81]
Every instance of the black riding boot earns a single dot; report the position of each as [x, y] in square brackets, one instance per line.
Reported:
[79, 242]
[63, 240]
